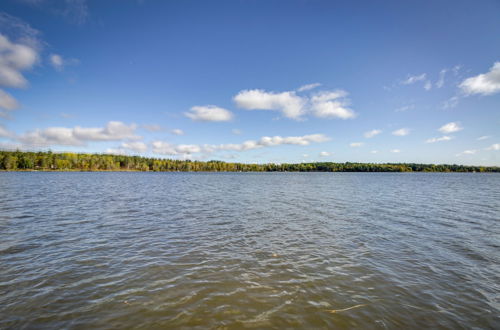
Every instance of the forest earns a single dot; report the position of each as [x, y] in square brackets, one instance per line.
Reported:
[51, 161]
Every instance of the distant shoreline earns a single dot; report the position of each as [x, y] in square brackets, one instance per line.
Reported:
[21, 161]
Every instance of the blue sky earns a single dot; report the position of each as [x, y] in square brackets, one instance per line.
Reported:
[253, 81]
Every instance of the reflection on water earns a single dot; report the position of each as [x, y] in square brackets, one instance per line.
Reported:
[255, 250]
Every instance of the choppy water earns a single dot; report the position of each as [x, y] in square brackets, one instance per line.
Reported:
[249, 250]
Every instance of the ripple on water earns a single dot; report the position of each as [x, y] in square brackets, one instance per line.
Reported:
[249, 250]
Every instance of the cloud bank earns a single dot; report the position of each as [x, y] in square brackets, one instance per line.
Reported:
[79, 136]
[165, 148]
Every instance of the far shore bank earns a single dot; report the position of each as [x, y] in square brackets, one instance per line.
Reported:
[76, 162]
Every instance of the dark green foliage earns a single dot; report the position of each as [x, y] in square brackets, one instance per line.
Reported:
[46, 161]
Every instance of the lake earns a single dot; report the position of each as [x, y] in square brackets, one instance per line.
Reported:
[249, 250]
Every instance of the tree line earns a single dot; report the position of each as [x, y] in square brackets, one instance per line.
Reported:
[66, 161]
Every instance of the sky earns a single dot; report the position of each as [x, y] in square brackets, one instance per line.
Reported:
[253, 81]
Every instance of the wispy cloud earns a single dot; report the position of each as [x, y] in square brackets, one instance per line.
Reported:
[372, 133]
[325, 154]
[450, 128]
[73, 11]
[209, 113]
[405, 108]
[396, 151]
[356, 144]
[165, 148]
[308, 87]
[7, 102]
[16, 29]
[5, 133]
[467, 152]
[152, 127]
[495, 146]
[59, 63]
[177, 131]
[413, 79]
[451, 102]
[137, 146]
[401, 132]
[484, 137]
[440, 82]
[439, 139]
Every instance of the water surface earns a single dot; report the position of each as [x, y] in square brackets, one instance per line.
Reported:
[249, 250]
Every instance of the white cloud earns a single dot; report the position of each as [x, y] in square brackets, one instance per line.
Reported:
[19, 47]
[308, 87]
[428, 85]
[152, 127]
[450, 128]
[331, 104]
[188, 148]
[467, 152]
[51, 136]
[117, 151]
[372, 133]
[325, 154]
[495, 146]
[14, 59]
[19, 30]
[451, 102]
[291, 105]
[484, 137]
[7, 102]
[485, 83]
[209, 113]
[165, 148]
[374, 151]
[356, 144]
[236, 131]
[401, 132]
[395, 151]
[135, 146]
[177, 131]
[73, 11]
[161, 147]
[413, 79]
[405, 108]
[325, 104]
[78, 136]
[440, 82]
[10, 146]
[439, 139]
[267, 141]
[58, 62]
[113, 131]
[5, 132]
[66, 115]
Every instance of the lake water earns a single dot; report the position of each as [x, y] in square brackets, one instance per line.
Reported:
[249, 250]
